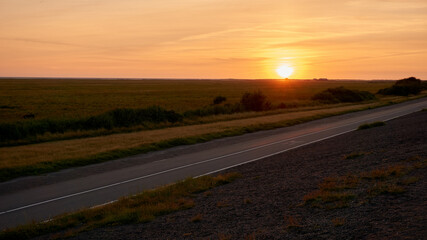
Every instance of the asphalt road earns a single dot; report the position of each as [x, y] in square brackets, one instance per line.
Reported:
[30, 201]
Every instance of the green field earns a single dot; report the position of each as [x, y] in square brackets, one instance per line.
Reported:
[58, 99]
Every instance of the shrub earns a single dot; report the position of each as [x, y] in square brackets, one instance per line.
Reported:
[370, 125]
[122, 117]
[255, 101]
[219, 99]
[404, 87]
[341, 94]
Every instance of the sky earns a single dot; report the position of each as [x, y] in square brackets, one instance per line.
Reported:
[336, 39]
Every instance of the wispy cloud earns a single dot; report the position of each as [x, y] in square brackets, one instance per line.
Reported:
[39, 41]
[396, 54]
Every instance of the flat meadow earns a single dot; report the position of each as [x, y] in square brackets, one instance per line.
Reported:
[63, 98]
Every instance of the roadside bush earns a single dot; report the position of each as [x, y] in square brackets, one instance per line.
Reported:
[405, 87]
[122, 117]
[255, 101]
[341, 94]
[219, 100]
[370, 125]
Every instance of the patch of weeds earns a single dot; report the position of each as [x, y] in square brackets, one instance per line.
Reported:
[251, 236]
[409, 180]
[338, 221]
[421, 164]
[140, 208]
[292, 223]
[384, 188]
[222, 204]
[333, 192]
[370, 125]
[339, 183]
[196, 218]
[328, 199]
[222, 236]
[227, 178]
[383, 173]
[340, 192]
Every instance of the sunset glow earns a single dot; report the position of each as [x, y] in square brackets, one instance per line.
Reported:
[358, 39]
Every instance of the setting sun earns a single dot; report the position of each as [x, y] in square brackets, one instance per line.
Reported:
[285, 71]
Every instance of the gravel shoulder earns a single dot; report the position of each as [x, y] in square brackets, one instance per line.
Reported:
[266, 203]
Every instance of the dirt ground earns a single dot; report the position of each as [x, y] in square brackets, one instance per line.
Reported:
[268, 201]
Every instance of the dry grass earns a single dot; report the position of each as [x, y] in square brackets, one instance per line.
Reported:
[197, 218]
[81, 148]
[384, 188]
[383, 173]
[340, 192]
[328, 199]
[222, 204]
[338, 222]
[409, 180]
[292, 223]
[222, 236]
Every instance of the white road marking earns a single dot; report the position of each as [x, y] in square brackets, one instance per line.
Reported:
[209, 160]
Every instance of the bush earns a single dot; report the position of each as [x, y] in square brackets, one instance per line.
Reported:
[219, 100]
[122, 117]
[404, 87]
[255, 101]
[370, 125]
[341, 94]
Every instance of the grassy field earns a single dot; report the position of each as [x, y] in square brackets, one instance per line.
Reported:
[57, 99]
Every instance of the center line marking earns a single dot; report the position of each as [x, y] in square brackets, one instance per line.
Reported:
[386, 112]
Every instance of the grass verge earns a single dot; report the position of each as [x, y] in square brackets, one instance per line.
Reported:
[139, 208]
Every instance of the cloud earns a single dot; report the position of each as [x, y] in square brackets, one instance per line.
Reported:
[31, 40]
[396, 54]
[398, 36]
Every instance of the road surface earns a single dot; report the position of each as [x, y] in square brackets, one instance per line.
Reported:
[23, 200]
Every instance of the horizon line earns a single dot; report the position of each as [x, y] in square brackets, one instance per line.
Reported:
[223, 79]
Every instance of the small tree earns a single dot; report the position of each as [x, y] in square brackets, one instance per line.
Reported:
[255, 101]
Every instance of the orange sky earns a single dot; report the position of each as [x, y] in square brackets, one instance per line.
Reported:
[357, 39]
